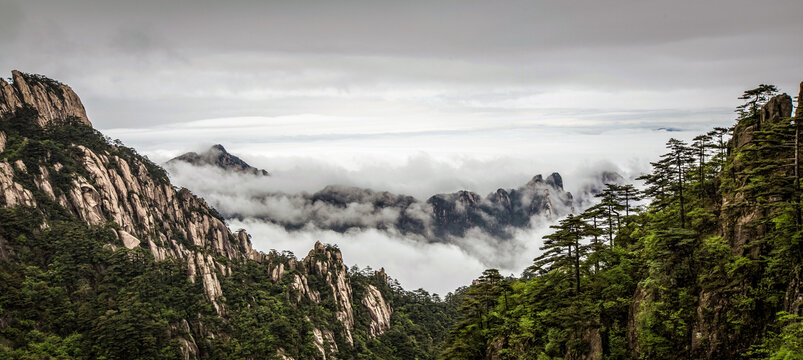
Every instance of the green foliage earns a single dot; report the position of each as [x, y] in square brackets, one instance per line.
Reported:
[701, 273]
[67, 294]
[36, 146]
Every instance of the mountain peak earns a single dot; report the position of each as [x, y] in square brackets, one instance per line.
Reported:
[55, 102]
[218, 156]
[555, 180]
[537, 179]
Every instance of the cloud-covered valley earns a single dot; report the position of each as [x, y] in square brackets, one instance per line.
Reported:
[437, 241]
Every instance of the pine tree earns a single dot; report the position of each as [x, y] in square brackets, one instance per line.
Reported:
[610, 209]
[597, 247]
[681, 156]
[627, 195]
[563, 249]
[701, 145]
[719, 134]
[756, 98]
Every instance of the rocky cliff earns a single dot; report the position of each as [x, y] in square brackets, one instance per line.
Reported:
[54, 101]
[53, 162]
[113, 186]
[456, 213]
[744, 226]
[380, 311]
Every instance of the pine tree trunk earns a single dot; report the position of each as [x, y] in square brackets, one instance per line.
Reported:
[627, 203]
[610, 225]
[797, 174]
[680, 192]
[577, 265]
[596, 244]
[702, 169]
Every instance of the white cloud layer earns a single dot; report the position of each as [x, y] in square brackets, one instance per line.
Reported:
[436, 267]
[413, 259]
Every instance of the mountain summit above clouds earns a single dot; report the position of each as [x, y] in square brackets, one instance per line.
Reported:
[219, 157]
[445, 217]
[438, 218]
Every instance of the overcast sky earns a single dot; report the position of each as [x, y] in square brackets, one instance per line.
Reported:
[383, 84]
[449, 64]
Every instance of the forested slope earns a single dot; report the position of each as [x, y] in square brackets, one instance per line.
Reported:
[101, 257]
[710, 268]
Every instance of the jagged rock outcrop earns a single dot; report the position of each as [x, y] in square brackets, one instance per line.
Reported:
[13, 192]
[325, 342]
[301, 286]
[327, 263]
[121, 189]
[173, 223]
[217, 156]
[183, 334]
[55, 102]
[379, 311]
[774, 110]
[441, 218]
[456, 213]
[324, 267]
[743, 219]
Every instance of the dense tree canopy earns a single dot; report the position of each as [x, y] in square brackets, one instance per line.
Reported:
[708, 269]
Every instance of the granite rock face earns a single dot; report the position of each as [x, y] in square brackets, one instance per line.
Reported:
[55, 102]
[379, 310]
[171, 223]
[327, 264]
[775, 110]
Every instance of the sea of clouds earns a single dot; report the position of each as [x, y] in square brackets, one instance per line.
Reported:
[278, 212]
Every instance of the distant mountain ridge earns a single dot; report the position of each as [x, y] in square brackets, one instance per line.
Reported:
[219, 157]
[439, 218]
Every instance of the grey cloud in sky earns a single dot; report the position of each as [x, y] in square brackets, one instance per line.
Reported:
[145, 63]
[439, 27]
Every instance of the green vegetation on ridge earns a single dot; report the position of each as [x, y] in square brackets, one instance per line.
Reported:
[73, 291]
[709, 269]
